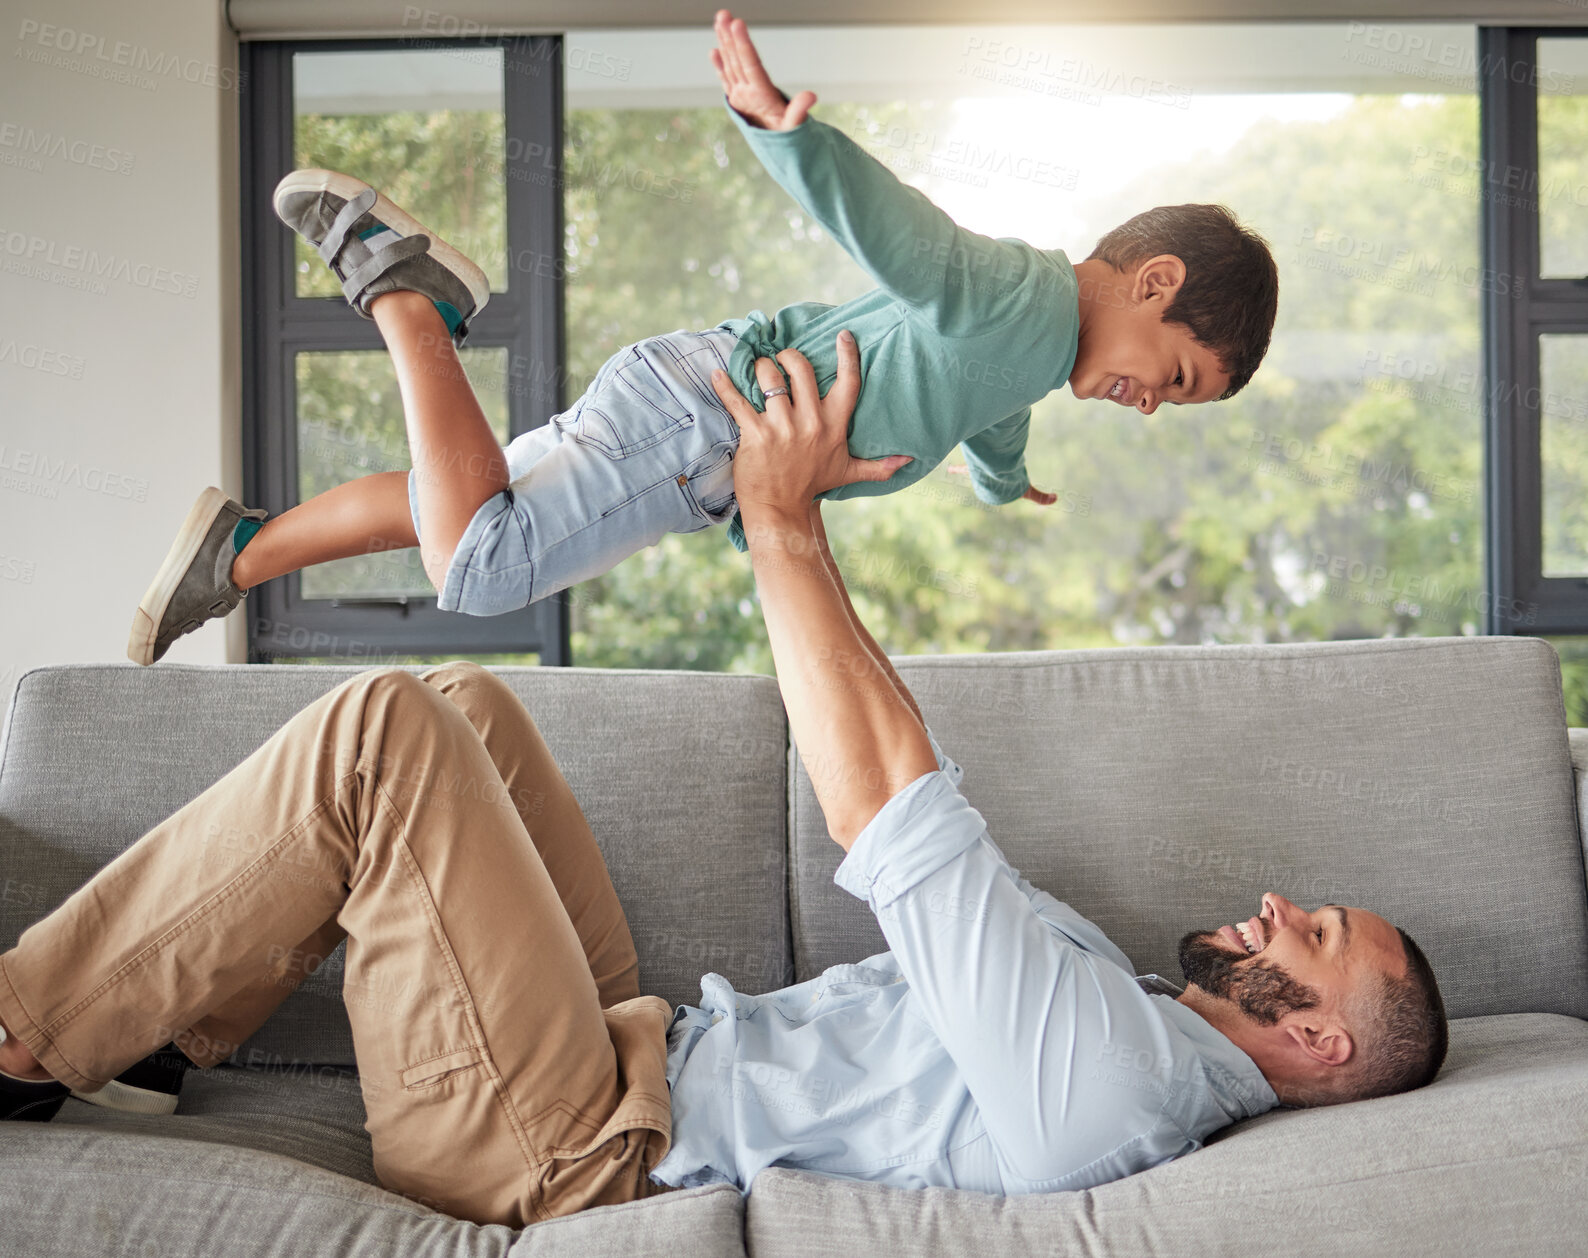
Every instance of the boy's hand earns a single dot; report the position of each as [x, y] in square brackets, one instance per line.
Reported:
[1039, 496]
[745, 81]
[798, 448]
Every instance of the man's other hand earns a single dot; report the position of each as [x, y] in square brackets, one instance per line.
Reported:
[745, 81]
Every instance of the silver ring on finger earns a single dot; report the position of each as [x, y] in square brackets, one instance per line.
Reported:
[780, 391]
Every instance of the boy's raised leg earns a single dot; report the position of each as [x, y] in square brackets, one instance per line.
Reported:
[458, 463]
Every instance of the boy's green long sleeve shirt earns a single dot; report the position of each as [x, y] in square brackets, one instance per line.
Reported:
[964, 333]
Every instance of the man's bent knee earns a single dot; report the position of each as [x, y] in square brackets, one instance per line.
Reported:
[457, 673]
[465, 683]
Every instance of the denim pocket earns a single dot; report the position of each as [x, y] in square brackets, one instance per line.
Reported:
[641, 401]
[709, 492]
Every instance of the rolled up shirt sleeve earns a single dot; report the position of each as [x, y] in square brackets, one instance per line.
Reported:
[1027, 996]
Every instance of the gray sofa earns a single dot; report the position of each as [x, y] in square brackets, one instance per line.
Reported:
[1156, 789]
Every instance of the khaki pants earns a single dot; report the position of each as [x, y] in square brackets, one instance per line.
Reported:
[511, 1071]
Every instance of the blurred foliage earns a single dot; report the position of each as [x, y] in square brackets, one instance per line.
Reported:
[1185, 526]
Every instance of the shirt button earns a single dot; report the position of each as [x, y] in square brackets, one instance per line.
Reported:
[716, 1018]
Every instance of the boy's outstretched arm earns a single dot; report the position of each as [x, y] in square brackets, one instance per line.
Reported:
[746, 83]
[860, 740]
[961, 282]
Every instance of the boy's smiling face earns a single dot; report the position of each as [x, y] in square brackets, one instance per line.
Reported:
[1127, 353]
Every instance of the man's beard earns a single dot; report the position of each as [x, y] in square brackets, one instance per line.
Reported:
[1264, 992]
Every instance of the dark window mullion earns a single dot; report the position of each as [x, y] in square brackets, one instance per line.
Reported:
[278, 325]
[1522, 599]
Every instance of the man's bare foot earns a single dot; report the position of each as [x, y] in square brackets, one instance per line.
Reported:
[17, 1061]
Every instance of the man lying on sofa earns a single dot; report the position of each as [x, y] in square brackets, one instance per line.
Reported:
[510, 1068]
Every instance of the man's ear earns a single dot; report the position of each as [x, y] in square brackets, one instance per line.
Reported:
[1159, 277]
[1325, 1042]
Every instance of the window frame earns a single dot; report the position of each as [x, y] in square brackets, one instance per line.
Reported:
[1519, 306]
[527, 321]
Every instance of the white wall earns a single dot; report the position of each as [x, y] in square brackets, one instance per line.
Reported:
[118, 397]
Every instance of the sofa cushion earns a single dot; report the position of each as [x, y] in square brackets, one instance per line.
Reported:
[1164, 789]
[1489, 1159]
[73, 1189]
[314, 1114]
[680, 774]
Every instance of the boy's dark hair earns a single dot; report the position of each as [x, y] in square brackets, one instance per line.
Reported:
[1231, 288]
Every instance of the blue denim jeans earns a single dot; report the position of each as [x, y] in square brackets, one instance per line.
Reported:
[647, 450]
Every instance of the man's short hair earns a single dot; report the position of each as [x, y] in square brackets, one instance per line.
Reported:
[1401, 1035]
[1404, 1024]
[1231, 290]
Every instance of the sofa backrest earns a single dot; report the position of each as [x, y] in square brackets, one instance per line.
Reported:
[681, 776]
[1164, 789]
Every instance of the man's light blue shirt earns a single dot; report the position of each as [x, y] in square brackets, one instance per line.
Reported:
[1003, 1044]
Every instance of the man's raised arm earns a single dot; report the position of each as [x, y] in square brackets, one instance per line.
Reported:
[860, 740]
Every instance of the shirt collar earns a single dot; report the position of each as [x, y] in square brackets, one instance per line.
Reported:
[1233, 1078]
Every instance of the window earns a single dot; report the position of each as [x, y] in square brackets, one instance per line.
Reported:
[466, 135]
[1432, 316]
[1338, 496]
[1535, 199]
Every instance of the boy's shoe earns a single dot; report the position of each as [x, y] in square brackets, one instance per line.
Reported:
[374, 248]
[150, 1086]
[30, 1100]
[194, 584]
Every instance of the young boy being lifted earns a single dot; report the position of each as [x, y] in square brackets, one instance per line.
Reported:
[963, 333]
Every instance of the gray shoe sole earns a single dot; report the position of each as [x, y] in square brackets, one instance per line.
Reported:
[124, 1097]
[144, 645]
[311, 183]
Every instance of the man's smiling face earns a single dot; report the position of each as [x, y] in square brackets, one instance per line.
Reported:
[1285, 959]
[1128, 354]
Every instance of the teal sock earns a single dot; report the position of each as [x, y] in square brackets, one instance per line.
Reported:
[377, 238]
[449, 312]
[244, 532]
